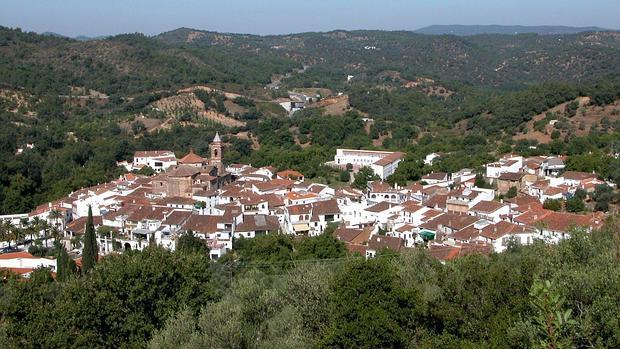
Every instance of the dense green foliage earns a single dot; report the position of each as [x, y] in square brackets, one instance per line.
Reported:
[501, 301]
[184, 300]
[65, 265]
[91, 249]
[119, 303]
[189, 243]
[275, 252]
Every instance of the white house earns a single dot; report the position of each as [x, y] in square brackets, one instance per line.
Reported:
[501, 234]
[23, 263]
[492, 211]
[508, 163]
[430, 158]
[158, 160]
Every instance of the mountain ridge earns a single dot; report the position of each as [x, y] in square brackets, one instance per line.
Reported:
[467, 30]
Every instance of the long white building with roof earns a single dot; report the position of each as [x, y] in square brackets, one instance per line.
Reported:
[383, 163]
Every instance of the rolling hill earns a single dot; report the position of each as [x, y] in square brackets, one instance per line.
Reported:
[504, 61]
[466, 30]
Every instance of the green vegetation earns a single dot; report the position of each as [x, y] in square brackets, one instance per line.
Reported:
[91, 249]
[275, 252]
[529, 296]
[66, 266]
[553, 204]
[189, 243]
[512, 192]
[79, 145]
[363, 176]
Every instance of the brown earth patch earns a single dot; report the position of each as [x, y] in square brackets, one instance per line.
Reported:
[175, 106]
[587, 115]
[336, 105]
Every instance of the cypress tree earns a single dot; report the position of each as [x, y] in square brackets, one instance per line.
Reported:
[89, 254]
[63, 264]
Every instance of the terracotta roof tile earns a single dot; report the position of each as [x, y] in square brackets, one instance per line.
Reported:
[487, 206]
[378, 242]
[192, 158]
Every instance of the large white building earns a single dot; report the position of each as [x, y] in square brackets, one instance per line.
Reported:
[158, 160]
[383, 163]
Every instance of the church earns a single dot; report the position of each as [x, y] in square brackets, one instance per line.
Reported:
[193, 173]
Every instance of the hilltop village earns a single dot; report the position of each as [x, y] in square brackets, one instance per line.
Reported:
[450, 214]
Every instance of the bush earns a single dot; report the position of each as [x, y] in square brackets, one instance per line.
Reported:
[553, 204]
[512, 192]
[575, 204]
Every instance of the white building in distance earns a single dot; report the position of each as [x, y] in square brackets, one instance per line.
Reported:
[158, 160]
[383, 163]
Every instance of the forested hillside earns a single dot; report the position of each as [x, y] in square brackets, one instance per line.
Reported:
[483, 60]
[124, 65]
[466, 30]
[75, 108]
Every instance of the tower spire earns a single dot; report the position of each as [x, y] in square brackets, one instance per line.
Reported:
[216, 153]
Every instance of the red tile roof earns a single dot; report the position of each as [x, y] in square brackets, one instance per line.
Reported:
[511, 176]
[446, 252]
[326, 207]
[437, 201]
[438, 176]
[299, 209]
[202, 224]
[258, 223]
[378, 242]
[380, 207]
[177, 217]
[451, 220]
[380, 187]
[389, 159]
[290, 174]
[466, 234]
[79, 225]
[487, 206]
[578, 176]
[192, 158]
[496, 231]
[13, 255]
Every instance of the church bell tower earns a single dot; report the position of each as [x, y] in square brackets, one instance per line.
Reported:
[216, 153]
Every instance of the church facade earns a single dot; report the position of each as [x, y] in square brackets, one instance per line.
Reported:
[193, 174]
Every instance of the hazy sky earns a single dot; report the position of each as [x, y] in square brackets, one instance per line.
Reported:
[105, 17]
